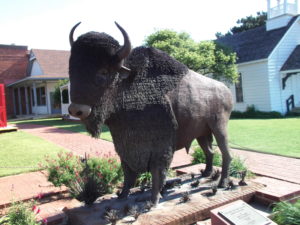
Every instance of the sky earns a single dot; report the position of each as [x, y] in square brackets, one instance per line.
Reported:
[45, 24]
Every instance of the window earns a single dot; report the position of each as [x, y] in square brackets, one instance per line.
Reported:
[65, 96]
[239, 89]
[41, 96]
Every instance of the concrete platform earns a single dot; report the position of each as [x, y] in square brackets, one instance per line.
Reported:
[275, 190]
[8, 129]
[169, 211]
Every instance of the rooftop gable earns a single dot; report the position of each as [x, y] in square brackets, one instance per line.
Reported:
[255, 44]
[54, 63]
[293, 62]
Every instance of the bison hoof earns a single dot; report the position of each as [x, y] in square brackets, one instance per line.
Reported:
[154, 202]
[206, 172]
[223, 183]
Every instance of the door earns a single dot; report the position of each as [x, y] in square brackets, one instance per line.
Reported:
[296, 89]
[3, 119]
[55, 108]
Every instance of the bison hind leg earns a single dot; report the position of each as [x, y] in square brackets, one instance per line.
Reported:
[205, 143]
[219, 129]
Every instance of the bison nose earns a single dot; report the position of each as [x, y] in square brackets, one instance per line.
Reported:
[79, 111]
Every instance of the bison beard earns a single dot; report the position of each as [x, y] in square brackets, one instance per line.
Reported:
[93, 124]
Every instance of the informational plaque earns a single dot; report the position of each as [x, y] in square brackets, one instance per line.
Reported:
[240, 213]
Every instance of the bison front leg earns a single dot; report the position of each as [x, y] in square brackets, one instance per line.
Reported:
[158, 181]
[129, 180]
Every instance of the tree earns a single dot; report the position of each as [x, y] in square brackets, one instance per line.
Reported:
[206, 57]
[247, 23]
[56, 94]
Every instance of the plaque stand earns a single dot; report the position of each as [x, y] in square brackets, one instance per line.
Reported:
[238, 213]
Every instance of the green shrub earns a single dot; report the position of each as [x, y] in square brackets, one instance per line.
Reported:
[22, 214]
[144, 179]
[108, 170]
[63, 169]
[252, 113]
[237, 164]
[87, 179]
[285, 213]
[199, 157]
[98, 177]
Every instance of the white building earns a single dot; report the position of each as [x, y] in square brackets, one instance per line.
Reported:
[269, 60]
[34, 93]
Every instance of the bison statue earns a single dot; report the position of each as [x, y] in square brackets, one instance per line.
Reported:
[152, 104]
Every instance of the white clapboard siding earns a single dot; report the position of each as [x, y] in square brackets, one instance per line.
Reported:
[275, 61]
[255, 86]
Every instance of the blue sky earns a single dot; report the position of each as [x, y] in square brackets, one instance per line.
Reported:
[46, 24]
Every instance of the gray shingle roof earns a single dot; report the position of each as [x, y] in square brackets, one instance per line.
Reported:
[256, 43]
[293, 62]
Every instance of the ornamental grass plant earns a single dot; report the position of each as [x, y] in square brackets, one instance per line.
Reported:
[285, 213]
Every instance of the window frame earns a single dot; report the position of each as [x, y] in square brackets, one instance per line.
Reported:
[239, 93]
[41, 96]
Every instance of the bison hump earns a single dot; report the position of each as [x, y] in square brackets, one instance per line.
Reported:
[154, 74]
[152, 62]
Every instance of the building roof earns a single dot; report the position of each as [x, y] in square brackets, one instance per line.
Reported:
[255, 44]
[12, 46]
[293, 62]
[13, 63]
[54, 63]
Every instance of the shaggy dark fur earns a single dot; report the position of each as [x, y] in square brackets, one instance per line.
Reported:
[160, 107]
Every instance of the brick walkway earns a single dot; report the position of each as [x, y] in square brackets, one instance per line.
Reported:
[25, 187]
[31, 184]
[73, 141]
[282, 168]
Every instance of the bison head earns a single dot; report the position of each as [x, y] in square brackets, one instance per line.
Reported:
[96, 63]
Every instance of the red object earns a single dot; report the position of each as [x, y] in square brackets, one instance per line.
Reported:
[3, 119]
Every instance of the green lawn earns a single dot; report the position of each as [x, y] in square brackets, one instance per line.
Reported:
[22, 152]
[277, 136]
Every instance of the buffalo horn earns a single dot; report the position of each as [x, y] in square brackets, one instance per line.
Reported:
[71, 34]
[124, 51]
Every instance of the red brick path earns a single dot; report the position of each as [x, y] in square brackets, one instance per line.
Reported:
[25, 187]
[282, 168]
[73, 141]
